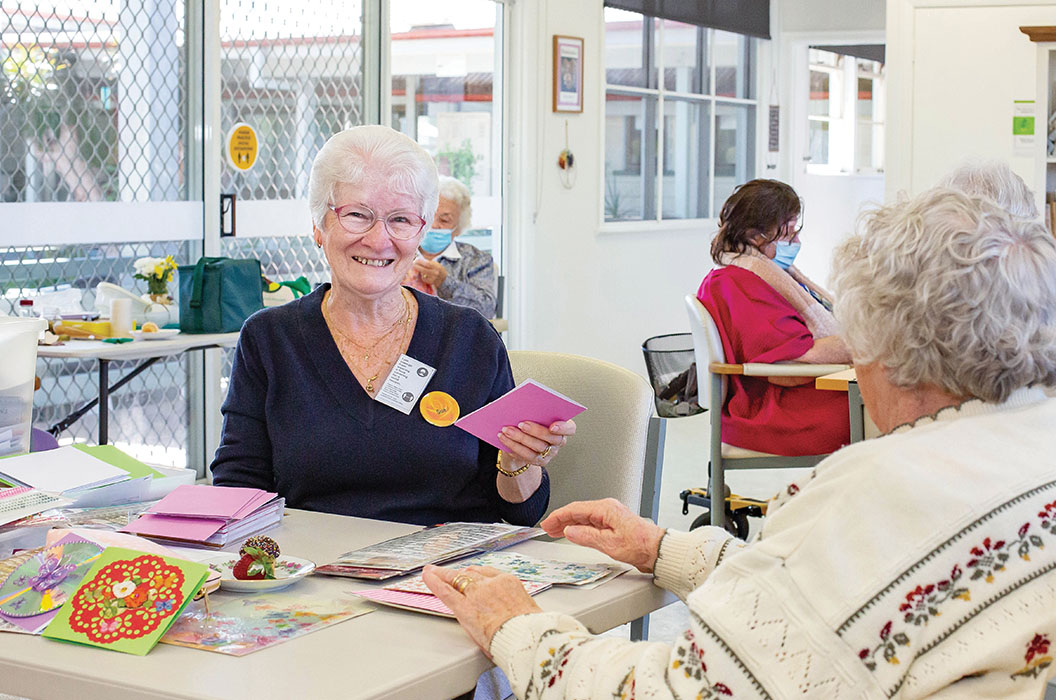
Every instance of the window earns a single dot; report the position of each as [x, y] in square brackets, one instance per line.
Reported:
[845, 126]
[446, 94]
[679, 117]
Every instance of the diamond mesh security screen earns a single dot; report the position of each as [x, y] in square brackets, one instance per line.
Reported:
[293, 71]
[92, 104]
[148, 416]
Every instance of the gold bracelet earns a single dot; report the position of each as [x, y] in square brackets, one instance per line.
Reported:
[516, 472]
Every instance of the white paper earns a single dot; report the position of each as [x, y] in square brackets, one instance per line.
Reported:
[60, 470]
[405, 384]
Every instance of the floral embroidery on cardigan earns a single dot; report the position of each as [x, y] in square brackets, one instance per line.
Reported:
[691, 661]
[1037, 658]
[625, 690]
[923, 602]
[554, 667]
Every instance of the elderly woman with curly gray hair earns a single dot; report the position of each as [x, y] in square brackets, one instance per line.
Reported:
[920, 564]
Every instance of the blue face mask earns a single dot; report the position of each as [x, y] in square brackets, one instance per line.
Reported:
[436, 240]
[786, 253]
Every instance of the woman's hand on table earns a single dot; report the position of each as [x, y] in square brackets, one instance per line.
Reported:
[610, 527]
[531, 443]
[482, 599]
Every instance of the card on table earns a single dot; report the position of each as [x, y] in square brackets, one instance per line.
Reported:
[127, 601]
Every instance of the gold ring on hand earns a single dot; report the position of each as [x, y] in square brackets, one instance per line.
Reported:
[461, 582]
[546, 453]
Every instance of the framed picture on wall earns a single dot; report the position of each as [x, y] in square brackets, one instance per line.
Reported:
[568, 74]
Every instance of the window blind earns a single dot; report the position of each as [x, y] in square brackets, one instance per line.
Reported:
[751, 17]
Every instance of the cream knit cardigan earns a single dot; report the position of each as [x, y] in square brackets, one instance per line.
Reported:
[919, 564]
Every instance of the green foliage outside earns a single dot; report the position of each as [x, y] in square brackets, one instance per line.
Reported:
[461, 162]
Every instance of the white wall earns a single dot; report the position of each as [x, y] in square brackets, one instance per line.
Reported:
[831, 15]
[575, 288]
[955, 68]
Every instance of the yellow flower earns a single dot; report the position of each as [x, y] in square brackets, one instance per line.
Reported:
[159, 270]
[893, 660]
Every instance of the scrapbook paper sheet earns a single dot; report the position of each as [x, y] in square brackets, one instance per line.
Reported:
[31, 595]
[559, 573]
[127, 601]
[422, 600]
[247, 624]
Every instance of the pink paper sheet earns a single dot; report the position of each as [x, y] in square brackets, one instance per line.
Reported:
[197, 529]
[528, 401]
[202, 501]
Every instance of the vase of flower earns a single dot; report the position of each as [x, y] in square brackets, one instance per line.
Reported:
[157, 273]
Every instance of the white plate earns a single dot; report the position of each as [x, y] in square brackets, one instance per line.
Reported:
[288, 570]
[160, 334]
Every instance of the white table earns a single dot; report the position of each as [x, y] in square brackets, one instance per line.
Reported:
[148, 351]
[388, 653]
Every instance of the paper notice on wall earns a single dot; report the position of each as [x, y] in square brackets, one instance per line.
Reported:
[1023, 143]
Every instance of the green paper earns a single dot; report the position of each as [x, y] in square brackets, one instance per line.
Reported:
[1022, 126]
[127, 601]
[115, 457]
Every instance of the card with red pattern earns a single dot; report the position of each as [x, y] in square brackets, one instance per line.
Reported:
[127, 601]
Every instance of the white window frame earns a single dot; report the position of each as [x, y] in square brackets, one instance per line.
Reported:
[661, 94]
[843, 127]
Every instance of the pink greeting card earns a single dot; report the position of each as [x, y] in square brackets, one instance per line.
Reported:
[528, 401]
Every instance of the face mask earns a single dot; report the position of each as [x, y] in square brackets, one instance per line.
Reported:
[436, 240]
[786, 253]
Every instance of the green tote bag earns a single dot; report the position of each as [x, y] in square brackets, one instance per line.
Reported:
[217, 295]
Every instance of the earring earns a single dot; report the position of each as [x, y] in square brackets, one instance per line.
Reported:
[318, 244]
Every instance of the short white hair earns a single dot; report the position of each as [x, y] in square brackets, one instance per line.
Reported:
[454, 190]
[950, 290]
[998, 183]
[348, 154]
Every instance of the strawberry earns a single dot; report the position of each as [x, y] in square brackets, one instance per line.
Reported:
[254, 565]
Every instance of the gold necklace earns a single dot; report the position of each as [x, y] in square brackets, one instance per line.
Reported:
[405, 322]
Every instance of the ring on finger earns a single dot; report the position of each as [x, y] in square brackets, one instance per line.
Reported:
[546, 453]
[461, 582]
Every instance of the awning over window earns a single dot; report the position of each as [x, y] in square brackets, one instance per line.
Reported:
[870, 52]
[751, 17]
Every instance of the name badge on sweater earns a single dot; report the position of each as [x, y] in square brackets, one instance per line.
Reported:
[405, 384]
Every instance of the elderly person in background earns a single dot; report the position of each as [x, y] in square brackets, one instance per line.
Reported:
[306, 414]
[998, 183]
[768, 311]
[454, 271]
[920, 564]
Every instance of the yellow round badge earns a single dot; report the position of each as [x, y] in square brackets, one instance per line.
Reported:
[439, 409]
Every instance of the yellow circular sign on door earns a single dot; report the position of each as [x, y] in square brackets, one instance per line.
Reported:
[242, 146]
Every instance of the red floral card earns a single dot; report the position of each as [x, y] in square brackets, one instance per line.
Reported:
[127, 601]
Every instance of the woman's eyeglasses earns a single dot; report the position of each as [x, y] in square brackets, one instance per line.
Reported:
[357, 218]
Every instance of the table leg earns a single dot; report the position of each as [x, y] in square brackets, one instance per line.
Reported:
[104, 400]
[69, 420]
[857, 409]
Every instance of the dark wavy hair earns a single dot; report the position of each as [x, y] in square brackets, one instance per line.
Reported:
[757, 206]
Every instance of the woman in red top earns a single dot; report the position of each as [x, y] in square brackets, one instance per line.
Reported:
[768, 311]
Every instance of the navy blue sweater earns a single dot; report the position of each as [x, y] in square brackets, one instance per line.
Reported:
[296, 421]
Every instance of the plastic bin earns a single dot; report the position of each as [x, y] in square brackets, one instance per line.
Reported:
[672, 369]
[18, 362]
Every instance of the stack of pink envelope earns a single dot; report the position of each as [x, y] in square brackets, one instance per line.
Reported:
[209, 516]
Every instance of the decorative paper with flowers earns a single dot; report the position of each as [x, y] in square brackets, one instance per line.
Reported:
[127, 601]
[45, 580]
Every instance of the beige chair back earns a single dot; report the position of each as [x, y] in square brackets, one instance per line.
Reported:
[707, 348]
[606, 458]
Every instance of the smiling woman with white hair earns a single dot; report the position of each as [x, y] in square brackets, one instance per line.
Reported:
[306, 414]
[920, 564]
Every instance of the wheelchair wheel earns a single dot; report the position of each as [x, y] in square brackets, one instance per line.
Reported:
[736, 523]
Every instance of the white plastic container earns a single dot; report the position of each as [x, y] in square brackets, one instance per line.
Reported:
[18, 363]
